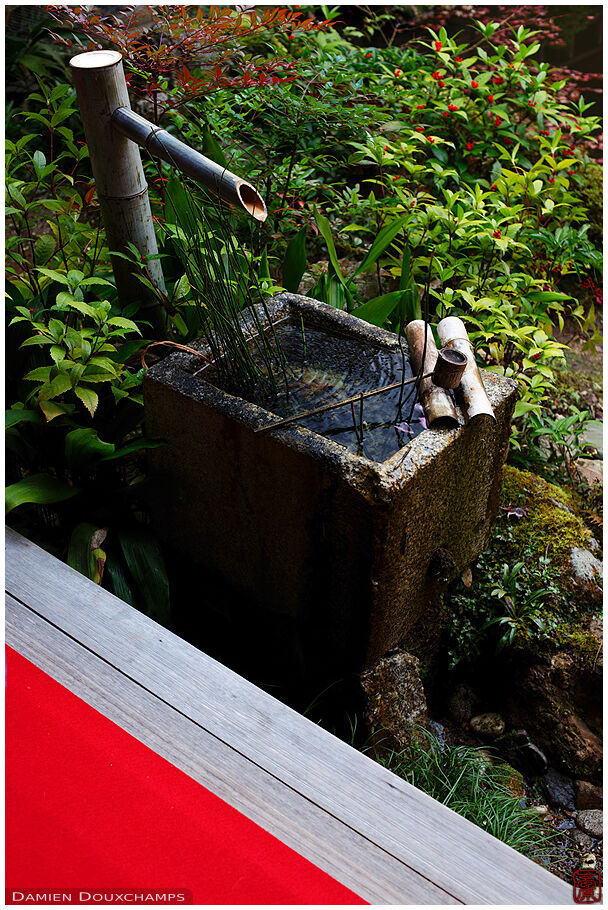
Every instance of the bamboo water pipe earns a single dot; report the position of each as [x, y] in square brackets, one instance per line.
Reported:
[438, 406]
[113, 132]
[161, 144]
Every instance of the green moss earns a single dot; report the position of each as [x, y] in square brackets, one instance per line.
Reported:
[551, 526]
[583, 642]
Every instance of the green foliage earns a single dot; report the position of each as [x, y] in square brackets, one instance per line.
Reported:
[472, 784]
[80, 340]
[520, 596]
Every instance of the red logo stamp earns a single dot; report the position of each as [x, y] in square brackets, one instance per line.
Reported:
[586, 886]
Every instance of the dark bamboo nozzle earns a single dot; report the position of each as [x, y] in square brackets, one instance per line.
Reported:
[449, 368]
[161, 144]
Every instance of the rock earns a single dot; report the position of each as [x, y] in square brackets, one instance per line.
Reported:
[467, 577]
[591, 822]
[462, 703]
[558, 698]
[438, 731]
[591, 470]
[588, 861]
[588, 795]
[560, 789]
[553, 526]
[539, 810]
[488, 726]
[593, 435]
[394, 697]
[523, 754]
[514, 781]
[587, 567]
[581, 840]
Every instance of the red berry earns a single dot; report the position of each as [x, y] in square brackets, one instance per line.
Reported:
[441, 83]
[438, 45]
[474, 84]
[446, 113]
[490, 98]
[458, 59]
[419, 129]
[496, 233]
[430, 138]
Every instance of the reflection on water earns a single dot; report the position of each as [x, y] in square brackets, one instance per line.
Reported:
[323, 368]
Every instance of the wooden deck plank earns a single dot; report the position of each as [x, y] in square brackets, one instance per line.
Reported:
[442, 847]
[341, 852]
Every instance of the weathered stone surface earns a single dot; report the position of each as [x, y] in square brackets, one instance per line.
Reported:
[587, 568]
[488, 726]
[551, 696]
[560, 789]
[591, 821]
[394, 697]
[588, 795]
[297, 525]
[591, 470]
[462, 703]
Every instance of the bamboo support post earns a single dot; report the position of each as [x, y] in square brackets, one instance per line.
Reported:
[438, 406]
[453, 334]
[119, 176]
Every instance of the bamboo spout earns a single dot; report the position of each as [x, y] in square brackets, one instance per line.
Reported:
[161, 144]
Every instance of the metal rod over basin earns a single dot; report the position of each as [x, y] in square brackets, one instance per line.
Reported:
[113, 131]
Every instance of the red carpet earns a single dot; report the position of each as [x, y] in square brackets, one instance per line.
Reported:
[89, 807]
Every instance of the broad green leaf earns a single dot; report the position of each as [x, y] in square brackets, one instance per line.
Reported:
[84, 447]
[381, 243]
[377, 310]
[325, 229]
[89, 398]
[60, 277]
[44, 248]
[146, 565]
[294, 263]
[57, 386]
[118, 581]
[15, 416]
[139, 445]
[37, 488]
[212, 149]
[40, 374]
[51, 409]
